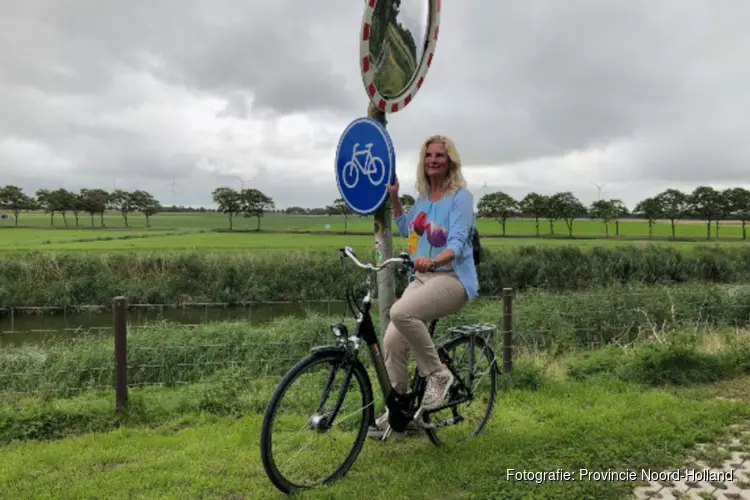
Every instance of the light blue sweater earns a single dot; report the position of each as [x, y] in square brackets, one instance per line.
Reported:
[445, 223]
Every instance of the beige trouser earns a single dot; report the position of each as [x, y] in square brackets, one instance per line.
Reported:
[429, 296]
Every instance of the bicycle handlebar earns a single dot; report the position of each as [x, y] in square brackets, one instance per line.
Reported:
[404, 258]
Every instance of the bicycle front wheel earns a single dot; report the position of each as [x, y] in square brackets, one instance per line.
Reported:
[316, 421]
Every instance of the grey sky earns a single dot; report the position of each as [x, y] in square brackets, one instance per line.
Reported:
[538, 95]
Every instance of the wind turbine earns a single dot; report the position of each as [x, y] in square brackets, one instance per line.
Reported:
[173, 186]
[599, 187]
[243, 181]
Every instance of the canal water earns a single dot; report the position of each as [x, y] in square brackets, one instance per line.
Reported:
[30, 326]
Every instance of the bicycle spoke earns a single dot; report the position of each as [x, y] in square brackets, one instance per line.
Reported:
[468, 356]
[306, 448]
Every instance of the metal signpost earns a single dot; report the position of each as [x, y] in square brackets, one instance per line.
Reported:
[397, 44]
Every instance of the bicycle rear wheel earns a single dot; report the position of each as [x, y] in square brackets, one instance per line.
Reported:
[473, 362]
[305, 439]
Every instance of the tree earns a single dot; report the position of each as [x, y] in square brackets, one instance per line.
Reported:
[63, 201]
[123, 202]
[534, 205]
[407, 201]
[620, 211]
[606, 211]
[145, 203]
[567, 207]
[705, 202]
[551, 213]
[498, 205]
[739, 200]
[14, 199]
[650, 209]
[674, 204]
[94, 201]
[255, 203]
[724, 208]
[33, 203]
[229, 202]
[340, 207]
[78, 205]
[44, 198]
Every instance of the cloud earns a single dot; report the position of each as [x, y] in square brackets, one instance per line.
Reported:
[537, 95]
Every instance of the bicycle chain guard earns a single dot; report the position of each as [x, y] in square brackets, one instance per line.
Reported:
[399, 414]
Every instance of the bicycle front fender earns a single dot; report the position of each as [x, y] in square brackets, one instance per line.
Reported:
[355, 364]
[328, 349]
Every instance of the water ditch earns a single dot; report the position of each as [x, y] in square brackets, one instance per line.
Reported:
[40, 325]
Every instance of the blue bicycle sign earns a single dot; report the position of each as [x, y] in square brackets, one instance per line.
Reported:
[365, 149]
[374, 168]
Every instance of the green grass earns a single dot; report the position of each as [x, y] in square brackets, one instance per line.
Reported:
[108, 241]
[632, 407]
[210, 241]
[202, 440]
[27, 239]
[515, 227]
[167, 277]
[163, 353]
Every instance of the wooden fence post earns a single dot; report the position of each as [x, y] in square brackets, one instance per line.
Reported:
[507, 330]
[119, 313]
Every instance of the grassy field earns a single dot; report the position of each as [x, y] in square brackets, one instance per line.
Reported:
[198, 436]
[164, 353]
[515, 227]
[201, 440]
[566, 426]
[116, 240]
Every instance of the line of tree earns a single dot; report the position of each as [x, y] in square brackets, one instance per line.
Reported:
[246, 202]
[339, 207]
[87, 201]
[703, 203]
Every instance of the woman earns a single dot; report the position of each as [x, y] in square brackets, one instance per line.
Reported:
[438, 228]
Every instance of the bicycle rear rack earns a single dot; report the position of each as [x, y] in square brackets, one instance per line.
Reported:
[484, 330]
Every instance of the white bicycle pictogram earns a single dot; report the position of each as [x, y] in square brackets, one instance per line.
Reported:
[370, 168]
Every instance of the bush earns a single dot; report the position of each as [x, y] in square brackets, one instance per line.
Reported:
[67, 280]
[676, 362]
[526, 374]
[602, 363]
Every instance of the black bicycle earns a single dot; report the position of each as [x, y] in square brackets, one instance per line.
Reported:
[328, 396]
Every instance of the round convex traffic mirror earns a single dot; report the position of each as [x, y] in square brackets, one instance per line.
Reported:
[397, 44]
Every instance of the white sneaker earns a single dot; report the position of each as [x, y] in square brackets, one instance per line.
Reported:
[438, 384]
[381, 424]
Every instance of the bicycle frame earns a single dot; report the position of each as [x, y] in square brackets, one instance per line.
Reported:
[367, 153]
[364, 330]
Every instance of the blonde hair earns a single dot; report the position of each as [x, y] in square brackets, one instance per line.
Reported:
[455, 177]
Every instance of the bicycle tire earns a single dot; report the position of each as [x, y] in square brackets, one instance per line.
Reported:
[479, 342]
[350, 166]
[375, 161]
[359, 373]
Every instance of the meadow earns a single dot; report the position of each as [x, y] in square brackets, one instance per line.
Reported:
[195, 221]
[113, 240]
[651, 334]
[197, 398]
[171, 232]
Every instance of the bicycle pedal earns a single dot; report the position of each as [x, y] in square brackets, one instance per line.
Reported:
[386, 433]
